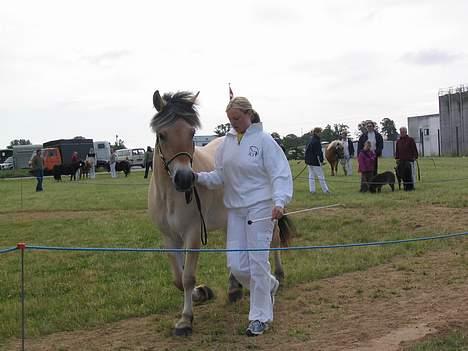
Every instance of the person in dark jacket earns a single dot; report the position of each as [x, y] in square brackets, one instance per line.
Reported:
[37, 166]
[148, 160]
[406, 153]
[348, 151]
[314, 160]
[376, 140]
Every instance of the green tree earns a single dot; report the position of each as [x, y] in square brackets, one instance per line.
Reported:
[388, 129]
[294, 147]
[330, 133]
[222, 129]
[19, 142]
[362, 126]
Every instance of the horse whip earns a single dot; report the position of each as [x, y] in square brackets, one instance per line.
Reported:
[249, 222]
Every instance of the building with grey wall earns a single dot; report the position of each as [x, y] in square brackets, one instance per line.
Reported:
[425, 130]
[453, 111]
[202, 140]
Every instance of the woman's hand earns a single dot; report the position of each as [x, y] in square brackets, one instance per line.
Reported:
[277, 212]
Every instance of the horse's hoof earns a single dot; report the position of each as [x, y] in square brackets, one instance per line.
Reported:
[185, 331]
[202, 293]
[235, 295]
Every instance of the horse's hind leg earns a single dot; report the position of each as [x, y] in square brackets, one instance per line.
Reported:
[234, 289]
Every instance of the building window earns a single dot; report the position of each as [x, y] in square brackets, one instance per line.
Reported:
[426, 131]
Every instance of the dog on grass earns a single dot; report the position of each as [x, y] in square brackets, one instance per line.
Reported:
[375, 185]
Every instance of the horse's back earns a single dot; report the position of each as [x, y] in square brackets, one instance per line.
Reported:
[204, 156]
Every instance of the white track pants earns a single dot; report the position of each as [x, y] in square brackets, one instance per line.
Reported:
[112, 169]
[347, 164]
[252, 268]
[316, 171]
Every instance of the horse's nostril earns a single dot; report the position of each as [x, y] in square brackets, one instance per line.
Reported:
[183, 180]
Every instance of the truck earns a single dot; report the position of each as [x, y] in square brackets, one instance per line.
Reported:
[4, 154]
[102, 149]
[59, 152]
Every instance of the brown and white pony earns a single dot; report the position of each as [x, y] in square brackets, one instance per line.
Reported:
[171, 186]
[333, 153]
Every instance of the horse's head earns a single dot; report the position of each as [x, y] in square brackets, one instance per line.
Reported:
[175, 125]
[339, 149]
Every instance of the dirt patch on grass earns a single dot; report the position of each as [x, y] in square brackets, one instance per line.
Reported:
[382, 309]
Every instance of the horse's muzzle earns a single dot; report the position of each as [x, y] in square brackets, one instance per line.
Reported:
[183, 180]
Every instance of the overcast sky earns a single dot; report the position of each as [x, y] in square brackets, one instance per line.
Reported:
[89, 68]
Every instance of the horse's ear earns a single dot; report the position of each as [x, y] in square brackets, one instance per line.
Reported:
[195, 97]
[158, 101]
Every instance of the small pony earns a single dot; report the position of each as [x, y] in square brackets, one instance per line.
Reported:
[333, 153]
[379, 180]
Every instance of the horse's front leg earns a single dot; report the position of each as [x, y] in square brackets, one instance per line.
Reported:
[191, 293]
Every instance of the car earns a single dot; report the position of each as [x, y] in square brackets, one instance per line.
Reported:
[8, 164]
[135, 156]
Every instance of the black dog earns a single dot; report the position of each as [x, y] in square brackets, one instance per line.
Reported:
[380, 180]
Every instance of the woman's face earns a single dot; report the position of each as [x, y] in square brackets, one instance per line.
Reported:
[239, 119]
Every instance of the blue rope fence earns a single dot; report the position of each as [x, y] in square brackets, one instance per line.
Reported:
[292, 248]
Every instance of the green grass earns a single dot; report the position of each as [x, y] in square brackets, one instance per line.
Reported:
[75, 290]
[453, 341]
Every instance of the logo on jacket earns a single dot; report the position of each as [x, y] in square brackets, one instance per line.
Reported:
[253, 151]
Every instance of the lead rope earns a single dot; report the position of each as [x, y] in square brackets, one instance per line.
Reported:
[203, 232]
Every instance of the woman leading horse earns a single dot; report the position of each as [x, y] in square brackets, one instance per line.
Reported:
[175, 160]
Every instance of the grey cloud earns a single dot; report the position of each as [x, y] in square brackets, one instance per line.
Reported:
[430, 57]
[107, 57]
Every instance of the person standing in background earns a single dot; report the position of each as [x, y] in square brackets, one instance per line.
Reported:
[112, 164]
[314, 159]
[148, 160]
[348, 150]
[91, 159]
[366, 162]
[376, 141]
[37, 166]
[406, 153]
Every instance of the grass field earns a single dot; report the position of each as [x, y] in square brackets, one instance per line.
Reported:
[79, 290]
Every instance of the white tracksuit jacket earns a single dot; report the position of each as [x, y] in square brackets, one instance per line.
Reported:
[251, 171]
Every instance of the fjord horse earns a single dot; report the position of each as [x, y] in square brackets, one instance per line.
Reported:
[333, 153]
[171, 187]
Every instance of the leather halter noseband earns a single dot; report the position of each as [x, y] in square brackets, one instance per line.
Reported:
[188, 194]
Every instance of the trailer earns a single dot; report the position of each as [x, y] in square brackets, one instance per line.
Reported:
[68, 146]
[22, 154]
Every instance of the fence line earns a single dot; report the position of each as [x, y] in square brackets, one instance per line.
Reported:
[292, 248]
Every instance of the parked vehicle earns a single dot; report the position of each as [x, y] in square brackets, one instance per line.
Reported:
[4, 154]
[22, 154]
[8, 163]
[59, 152]
[136, 156]
[102, 149]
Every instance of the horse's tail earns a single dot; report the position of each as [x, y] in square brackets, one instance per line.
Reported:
[287, 230]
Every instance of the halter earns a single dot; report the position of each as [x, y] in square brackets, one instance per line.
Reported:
[167, 163]
[188, 194]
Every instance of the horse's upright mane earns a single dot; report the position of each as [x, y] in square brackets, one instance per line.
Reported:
[178, 105]
[334, 142]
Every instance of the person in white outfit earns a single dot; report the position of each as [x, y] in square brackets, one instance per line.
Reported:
[257, 182]
[91, 158]
[112, 164]
[314, 160]
[348, 150]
